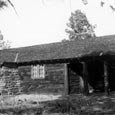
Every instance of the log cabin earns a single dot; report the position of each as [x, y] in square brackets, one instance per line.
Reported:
[68, 67]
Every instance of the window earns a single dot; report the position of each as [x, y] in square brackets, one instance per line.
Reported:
[37, 71]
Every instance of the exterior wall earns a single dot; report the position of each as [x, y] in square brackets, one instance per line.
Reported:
[52, 83]
[9, 81]
[18, 80]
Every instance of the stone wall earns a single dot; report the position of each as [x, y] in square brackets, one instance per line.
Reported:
[9, 81]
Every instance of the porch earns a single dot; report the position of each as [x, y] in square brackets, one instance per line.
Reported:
[95, 72]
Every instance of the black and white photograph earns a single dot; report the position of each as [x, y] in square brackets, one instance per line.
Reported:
[57, 57]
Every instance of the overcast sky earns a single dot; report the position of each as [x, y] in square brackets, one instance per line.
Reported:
[44, 21]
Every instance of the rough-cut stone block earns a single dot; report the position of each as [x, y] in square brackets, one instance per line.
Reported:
[11, 81]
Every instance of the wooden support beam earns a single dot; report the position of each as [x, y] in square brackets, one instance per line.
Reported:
[81, 84]
[85, 79]
[66, 82]
[106, 82]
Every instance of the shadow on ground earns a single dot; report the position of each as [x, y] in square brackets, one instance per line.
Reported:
[96, 104]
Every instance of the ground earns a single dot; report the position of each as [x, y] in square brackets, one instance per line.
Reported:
[35, 104]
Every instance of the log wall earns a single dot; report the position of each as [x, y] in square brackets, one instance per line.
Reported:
[52, 83]
[18, 80]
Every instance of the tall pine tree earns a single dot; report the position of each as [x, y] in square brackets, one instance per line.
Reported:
[79, 26]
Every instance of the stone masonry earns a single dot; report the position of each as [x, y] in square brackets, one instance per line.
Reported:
[10, 83]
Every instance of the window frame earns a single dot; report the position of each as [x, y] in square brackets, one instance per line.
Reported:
[38, 71]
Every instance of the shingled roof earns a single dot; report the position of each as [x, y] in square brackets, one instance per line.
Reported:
[60, 50]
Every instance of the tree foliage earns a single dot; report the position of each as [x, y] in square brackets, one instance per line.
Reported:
[2, 4]
[103, 3]
[3, 44]
[79, 26]
[5, 4]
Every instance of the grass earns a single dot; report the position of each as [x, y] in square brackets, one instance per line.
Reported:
[82, 105]
[96, 104]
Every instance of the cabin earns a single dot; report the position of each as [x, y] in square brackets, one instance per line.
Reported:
[69, 67]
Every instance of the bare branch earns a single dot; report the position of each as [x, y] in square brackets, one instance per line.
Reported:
[12, 6]
[112, 7]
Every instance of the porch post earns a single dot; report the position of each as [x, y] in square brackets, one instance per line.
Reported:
[85, 79]
[106, 82]
[81, 84]
[66, 82]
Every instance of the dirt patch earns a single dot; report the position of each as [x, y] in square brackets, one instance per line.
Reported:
[24, 99]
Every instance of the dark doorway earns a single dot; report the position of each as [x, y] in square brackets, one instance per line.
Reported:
[111, 77]
[96, 74]
[75, 70]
